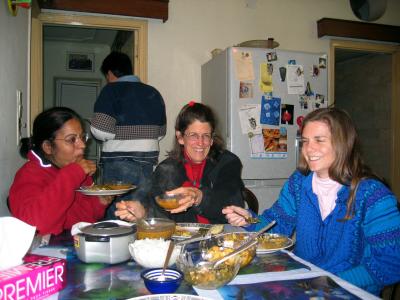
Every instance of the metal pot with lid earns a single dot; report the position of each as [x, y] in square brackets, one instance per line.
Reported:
[104, 242]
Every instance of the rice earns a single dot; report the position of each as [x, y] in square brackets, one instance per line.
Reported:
[151, 253]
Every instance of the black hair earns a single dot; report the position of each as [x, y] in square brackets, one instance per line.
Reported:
[45, 128]
[196, 112]
[118, 63]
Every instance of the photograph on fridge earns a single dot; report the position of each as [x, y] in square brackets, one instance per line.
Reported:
[287, 114]
[246, 90]
[270, 111]
[275, 139]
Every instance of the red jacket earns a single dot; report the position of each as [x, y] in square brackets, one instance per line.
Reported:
[44, 196]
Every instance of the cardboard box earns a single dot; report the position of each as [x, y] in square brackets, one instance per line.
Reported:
[38, 277]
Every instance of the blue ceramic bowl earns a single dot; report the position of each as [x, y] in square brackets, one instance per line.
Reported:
[156, 285]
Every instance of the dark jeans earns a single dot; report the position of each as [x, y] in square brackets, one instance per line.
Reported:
[126, 170]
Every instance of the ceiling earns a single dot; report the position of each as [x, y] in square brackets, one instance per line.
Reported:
[79, 34]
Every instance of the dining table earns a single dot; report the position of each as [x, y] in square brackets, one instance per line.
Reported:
[277, 275]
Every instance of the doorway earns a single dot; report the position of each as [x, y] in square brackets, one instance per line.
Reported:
[80, 95]
[66, 54]
[139, 50]
[363, 84]
[365, 79]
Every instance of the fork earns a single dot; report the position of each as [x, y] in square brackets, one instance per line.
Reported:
[251, 220]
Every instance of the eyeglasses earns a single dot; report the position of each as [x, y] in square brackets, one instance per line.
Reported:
[72, 139]
[194, 137]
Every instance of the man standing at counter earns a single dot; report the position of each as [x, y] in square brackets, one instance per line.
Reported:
[129, 117]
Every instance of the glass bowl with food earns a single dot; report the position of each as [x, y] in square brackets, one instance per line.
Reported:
[155, 228]
[232, 240]
[199, 272]
[168, 201]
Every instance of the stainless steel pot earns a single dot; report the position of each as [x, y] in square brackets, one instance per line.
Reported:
[104, 242]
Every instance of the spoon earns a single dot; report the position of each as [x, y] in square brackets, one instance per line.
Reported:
[251, 220]
[138, 220]
[251, 241]
[213, 230]
[167, 258]
[238, 250]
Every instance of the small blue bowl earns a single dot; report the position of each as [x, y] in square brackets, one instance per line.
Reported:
[151, 278]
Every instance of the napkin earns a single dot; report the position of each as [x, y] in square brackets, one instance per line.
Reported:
[15, 240]
[76, 228]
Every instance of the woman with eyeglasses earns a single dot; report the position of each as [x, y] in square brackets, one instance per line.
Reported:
[199, 168]
[43, 193]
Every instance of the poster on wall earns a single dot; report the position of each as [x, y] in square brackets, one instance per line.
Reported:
[80, 62]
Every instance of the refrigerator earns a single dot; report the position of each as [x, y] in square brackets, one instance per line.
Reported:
[260, 96]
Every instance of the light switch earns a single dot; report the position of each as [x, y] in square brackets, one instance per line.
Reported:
[19, 115]
[251, 4]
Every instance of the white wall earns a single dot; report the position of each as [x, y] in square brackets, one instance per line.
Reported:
[55, 65]
[13, 76]
[179, 47]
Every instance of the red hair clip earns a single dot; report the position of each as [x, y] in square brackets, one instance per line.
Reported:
[192, 103]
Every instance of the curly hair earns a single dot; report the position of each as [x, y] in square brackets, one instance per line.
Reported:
[196, 112]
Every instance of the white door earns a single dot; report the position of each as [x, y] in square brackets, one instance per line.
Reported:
[80, 95]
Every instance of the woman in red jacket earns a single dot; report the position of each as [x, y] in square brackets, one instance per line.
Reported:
[43, 193]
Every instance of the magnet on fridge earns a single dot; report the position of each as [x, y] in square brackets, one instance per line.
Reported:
[299, 121]
[299, 71]
[268, 95]
[308, 91]
[282, 73]
[315, 71]
[270, 69]
[271, 56]
[322, 61]
[320, 98]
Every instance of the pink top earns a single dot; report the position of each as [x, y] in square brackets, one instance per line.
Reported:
[326, 190]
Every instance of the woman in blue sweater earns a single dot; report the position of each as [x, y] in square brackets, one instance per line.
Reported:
[346, 220]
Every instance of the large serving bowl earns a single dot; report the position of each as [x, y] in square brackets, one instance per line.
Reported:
[232, 240]
[200, 274]
[155, 228]
[151, 253]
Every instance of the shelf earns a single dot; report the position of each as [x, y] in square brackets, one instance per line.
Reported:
[155, 9]
[358, 30]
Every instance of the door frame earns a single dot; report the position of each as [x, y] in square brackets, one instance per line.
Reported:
[394, 50]
[80, 20]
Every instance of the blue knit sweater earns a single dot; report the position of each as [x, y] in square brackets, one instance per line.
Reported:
[364, 250]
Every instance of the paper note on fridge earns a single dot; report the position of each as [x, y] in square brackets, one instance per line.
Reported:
[244, 65]
[249, 116]
[295, 79]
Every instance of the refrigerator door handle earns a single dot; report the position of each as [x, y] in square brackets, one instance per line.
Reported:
[297, 150]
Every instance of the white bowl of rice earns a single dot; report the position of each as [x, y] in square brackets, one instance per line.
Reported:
[151, 253]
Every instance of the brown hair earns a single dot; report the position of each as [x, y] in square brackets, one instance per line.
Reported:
[348, 167]
[196, 112]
